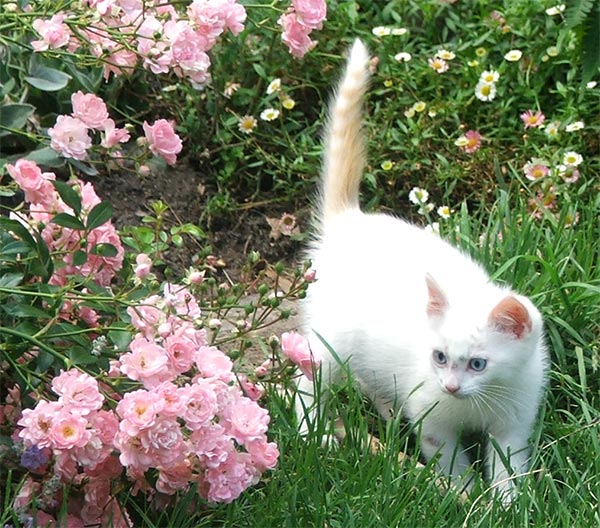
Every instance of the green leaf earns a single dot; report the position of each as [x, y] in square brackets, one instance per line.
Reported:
[14, 116]
[10, 280]
[18, 229]
[79, 258]
[26, 310]
[47, 79]
[99, 215]
[81, 356]
[104, 250]
[69, 195]
[46, 156]
[67, 220]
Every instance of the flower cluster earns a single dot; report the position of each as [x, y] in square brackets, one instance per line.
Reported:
[247, 123]
[147, 32]
[44, 203]
[186, 418]
[78, 435]
[70, 136]
[485, 90]
[299, 21]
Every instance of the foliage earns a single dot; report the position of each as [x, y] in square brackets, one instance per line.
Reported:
[490, 113]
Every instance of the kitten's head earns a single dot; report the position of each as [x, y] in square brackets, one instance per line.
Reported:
[473, 347]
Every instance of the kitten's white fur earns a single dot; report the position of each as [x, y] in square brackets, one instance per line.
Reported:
[415, 319]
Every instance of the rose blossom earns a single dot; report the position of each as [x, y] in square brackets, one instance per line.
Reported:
[295, 35]
[163, 141]
[54, 33]
[113, 136]
[145, 362]
[310, 13]
[34, 183]
[68, 431]
[78, 391]
[143, 266]
[139, 410]
[69, 137]
[297, 349]
[90, 109]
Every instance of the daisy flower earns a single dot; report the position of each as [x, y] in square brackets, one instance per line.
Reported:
[572, 127]
[381, 31]
[230, 88]
[418, 196]
[419, 106]
[591, 84]
[568, 173]
[572, 159]
[445, 54]
[269, 114]
[535, 169]
[555, 10]
[513, 55]
[444, 212]
[531, 119]
[470, 141]
[247, 124]
[551, 128]
[425, 209]
[439, 65]
[552, 51]
[481, 52]
[274, 86]
[399, 31]
[287, 102]
[489, 76]
[403, 56]
[485, 91]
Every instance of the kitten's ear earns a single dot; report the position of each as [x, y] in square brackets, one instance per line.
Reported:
[437, 303]
[510, 317]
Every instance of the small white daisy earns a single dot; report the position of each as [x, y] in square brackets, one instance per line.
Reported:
[247, 124]
[572, 159]
[555, 10]
[269, 114]
[445, 54]
[485, 91]
[403, 56]
[513, 55]
[444, 211]
[489, 76]
[399, 31]
[418, 196]
[573, 127]
[381, 31]
[274, 86]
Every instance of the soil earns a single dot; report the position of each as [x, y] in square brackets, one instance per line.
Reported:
[185, 190]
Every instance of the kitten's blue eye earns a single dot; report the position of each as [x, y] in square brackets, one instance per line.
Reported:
[477, 364]
[439, 357]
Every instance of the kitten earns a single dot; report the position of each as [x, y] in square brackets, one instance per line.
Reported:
[418, 323]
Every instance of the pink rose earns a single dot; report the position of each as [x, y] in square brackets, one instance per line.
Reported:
[68, 431]
[143, 265]
[163, 140]
[89, 109]
[54, 33]
[295, 35]
[310, 13]
[297, 349]
[69, 137]
[35, 184]
[78, 391]
[113, 136]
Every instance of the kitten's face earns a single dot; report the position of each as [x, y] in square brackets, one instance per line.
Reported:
[460, 368]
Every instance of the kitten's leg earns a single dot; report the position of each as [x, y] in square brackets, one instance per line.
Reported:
[453, 460]
[513, 444]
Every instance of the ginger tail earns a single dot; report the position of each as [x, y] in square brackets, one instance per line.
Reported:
[344, 148]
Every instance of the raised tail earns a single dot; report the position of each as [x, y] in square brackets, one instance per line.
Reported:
[344, 148]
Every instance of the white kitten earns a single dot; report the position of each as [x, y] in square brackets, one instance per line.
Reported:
[419, 324]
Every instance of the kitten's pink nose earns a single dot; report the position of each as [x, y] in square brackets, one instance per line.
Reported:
[451, 388]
